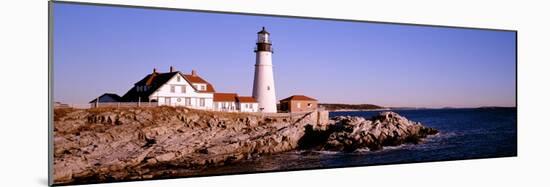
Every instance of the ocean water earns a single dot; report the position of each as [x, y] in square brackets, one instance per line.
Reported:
[464, 134]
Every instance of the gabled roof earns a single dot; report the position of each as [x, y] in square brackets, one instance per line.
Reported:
[155, 80]
[102, 98]
[198, 80]
[246, 99]
[299, 98]
[195, 79]
[225, 97]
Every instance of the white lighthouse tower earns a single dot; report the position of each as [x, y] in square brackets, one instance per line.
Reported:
[264, 84]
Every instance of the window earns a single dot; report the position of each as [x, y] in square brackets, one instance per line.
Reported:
[201, 102]
[179, 78]
[183, 89]
[268, 88]
[179, 99]
[309, 105]
[188, 101]
[172, 89]
[298, 105]
[203, 87]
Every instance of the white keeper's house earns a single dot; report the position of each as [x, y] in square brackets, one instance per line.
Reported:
[175, 88]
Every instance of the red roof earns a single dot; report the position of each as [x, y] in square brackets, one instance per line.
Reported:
[198, 80]
[299, 98]
[195, 79]
[228, 97]
[233, 97]
[246, 99]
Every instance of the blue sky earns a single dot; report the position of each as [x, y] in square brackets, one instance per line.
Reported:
[100, 49]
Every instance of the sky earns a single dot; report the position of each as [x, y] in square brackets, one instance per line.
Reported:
[101, 49]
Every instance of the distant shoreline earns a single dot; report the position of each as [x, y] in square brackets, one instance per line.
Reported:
[338, 107]
[359, 110]
[407, 108]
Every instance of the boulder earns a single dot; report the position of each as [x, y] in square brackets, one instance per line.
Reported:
[386, 129]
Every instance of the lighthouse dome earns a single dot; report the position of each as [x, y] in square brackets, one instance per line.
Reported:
[263, 31]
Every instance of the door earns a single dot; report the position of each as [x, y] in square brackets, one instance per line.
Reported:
[167, 101]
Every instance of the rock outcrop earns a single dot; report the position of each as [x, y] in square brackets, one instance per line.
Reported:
[108, 144]
[120, 144]
[347, 133]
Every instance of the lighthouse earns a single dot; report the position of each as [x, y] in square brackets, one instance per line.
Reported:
[264, 84]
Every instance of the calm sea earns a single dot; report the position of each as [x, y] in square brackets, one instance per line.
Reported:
[464, 134]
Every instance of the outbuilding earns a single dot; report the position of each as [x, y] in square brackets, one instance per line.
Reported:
[298, 103]
[105, 98]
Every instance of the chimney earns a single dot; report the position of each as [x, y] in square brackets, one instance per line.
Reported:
[154, 70]
[172, 69]
[193, 73]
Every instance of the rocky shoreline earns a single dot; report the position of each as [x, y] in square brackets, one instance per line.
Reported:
[359, 110]
[347, 133]
[103, 145]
